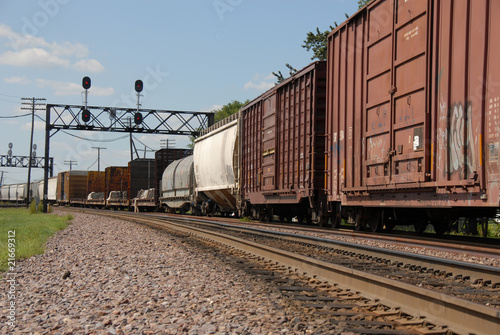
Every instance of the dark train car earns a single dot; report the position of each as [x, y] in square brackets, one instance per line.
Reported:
[163, 158]
[141, 176]
[282, 136]
[413, 113]
[71, 185]
[142, 187]
[116, 194]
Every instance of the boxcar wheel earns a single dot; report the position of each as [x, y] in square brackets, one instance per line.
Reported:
[420, 226]
[334, 221]
[374, 223]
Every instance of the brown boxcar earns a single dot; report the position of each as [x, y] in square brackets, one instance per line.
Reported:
[413, 113]
[117, 178]
[71, 185]
[283, 139]
[96, 182]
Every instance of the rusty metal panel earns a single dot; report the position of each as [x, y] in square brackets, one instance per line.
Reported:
[352, 136]
[252, 147]
[467, 100]
[283, 139]
[117, 178]
[96, 182]
[269, 143]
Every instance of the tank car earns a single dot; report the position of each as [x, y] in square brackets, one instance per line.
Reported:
[177, 186]
[4, 192]
[413, 114]
[52, 190]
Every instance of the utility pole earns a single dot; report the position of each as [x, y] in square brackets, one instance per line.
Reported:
[1, 176]
[166, 144]
[99, 157]
[34, 106]
[70, 163]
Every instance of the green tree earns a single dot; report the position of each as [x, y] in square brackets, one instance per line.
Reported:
[280, 76]
[228, 109]
[362, 3]
[317, 43]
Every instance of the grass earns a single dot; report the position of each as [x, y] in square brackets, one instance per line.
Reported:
[31, 232]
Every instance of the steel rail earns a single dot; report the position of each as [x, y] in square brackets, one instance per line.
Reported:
[476, 272]
[458, 314]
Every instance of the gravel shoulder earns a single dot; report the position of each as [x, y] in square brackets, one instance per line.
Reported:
[106, 276]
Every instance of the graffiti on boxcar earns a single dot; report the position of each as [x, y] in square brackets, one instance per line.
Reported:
[377, 148]
[456, 151]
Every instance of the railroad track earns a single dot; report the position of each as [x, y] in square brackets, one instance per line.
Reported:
[399, 292]
[475, 245]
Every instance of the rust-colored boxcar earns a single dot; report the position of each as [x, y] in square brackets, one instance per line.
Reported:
[117, 178]
[413, 112]
[71, 185]
[96, 182]
[283, 145]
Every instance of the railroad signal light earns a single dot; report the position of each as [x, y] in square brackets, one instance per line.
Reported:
[86, 82]
[138, 86]
[85, 115]
[138, 118]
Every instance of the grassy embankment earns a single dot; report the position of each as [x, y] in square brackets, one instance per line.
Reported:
[31, 232]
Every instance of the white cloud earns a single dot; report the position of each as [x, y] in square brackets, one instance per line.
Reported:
[30, 51]
[260, 82]
[34, 57]
[68, 88]
[39, 126]
[17, 80]
[89, 65]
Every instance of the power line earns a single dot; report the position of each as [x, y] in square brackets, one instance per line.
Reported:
[10, 96]
[14, 102]
[70, 163]
[14, 116]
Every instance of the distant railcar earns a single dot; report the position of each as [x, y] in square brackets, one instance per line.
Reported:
[71, 185]
[177, 186]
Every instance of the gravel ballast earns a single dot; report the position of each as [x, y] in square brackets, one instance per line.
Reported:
[107, 276]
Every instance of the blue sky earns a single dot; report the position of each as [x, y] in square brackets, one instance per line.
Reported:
[193, 55]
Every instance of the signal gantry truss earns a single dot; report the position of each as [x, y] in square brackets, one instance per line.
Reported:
[124, 120]
[111, 119]
[24, 161]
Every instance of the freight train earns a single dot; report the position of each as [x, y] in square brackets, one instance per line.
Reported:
[400, 125]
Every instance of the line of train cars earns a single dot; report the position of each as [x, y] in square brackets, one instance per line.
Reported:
[400, 125]
[118, 187]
